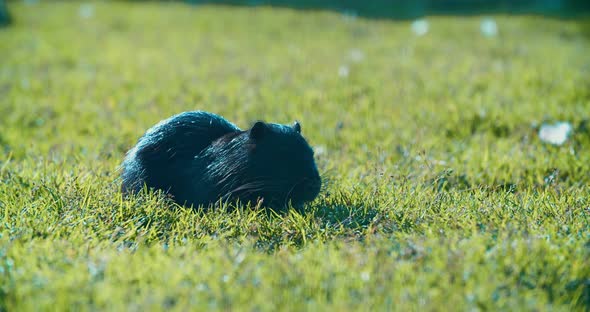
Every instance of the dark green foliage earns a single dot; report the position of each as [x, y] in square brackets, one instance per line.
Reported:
[5, 18]
[408, 9]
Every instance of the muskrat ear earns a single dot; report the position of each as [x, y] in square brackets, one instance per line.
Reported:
[258, 130]
[297, 126]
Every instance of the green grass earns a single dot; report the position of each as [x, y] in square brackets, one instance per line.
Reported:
[440, 195]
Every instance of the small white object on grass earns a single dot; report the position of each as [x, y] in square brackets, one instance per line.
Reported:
[343, 71]
[555, 134]
[420, 27]
[488, 27]
[365, 276]
[86, 10]
[356, 55]
[319, 150]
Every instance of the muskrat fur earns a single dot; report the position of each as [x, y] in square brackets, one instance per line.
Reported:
[199, 158]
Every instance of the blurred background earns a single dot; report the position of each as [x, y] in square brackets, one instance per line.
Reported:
[373, 82]
[404, 9]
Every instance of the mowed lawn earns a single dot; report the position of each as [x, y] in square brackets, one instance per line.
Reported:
[438, 192]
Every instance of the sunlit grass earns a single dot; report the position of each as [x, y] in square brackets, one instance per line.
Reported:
[440, 195]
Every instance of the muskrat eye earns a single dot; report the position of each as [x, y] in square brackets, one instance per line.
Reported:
[297, 127]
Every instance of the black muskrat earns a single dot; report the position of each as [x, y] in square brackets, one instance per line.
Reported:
[199, 158]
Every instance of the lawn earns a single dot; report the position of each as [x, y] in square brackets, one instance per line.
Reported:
[439, 193]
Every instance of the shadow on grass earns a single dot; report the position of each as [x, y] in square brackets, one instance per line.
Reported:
[357, 214]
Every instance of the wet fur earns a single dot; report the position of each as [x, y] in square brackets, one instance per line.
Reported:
[199, 158]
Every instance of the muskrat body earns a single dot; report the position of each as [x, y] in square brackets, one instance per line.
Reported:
[199, 158]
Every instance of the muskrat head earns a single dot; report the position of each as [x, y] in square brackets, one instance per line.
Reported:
[281, 163]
